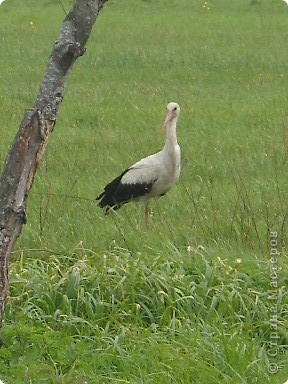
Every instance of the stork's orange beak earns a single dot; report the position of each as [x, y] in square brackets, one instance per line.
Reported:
[167, 120]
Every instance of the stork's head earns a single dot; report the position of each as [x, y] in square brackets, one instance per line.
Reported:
[173, 111]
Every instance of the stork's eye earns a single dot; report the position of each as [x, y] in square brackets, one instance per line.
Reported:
[175, 109]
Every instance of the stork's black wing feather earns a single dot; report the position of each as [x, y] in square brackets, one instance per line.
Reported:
[117, 193]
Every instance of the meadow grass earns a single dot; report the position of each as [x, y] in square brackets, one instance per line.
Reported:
[97, 299]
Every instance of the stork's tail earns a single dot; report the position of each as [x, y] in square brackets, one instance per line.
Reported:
[108, 198]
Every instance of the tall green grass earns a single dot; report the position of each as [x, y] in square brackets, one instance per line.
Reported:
[100, 299]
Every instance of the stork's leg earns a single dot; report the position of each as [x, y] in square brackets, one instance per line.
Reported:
[146, 215]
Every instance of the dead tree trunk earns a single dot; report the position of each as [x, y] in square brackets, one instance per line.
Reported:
[35, 128]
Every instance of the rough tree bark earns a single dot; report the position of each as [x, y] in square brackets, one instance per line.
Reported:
[35, 128]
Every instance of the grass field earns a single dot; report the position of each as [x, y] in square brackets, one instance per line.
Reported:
[97, 299]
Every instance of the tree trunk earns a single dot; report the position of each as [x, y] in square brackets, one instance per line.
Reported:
[35, 128]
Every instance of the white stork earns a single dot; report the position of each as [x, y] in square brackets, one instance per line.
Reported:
[150, 177]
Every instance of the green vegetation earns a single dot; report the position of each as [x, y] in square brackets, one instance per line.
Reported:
[97, 299]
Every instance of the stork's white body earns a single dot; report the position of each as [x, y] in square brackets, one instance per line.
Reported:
[150, 177]
[162, 169]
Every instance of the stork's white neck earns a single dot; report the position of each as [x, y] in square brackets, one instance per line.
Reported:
[171, 137]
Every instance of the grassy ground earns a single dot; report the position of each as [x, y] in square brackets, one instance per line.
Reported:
[97, 299]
